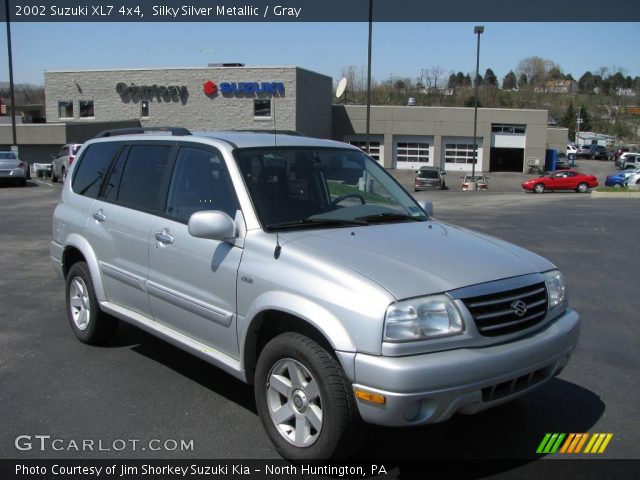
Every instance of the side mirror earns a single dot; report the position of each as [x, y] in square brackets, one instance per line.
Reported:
[442, 172]
[427, 206]
[212, 224]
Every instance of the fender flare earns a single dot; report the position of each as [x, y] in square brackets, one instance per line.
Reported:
[81, 244]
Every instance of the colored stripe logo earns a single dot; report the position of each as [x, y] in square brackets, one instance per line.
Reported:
[574, 443]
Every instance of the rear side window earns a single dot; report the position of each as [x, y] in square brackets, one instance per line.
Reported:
[142, 175]
[92, 168]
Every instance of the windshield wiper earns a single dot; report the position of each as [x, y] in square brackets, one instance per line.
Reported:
[315, 222]
[389, 217]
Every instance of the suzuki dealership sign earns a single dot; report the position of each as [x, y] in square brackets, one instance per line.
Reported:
[244, 88]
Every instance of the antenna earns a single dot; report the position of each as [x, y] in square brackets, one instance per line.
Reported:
[341, 89]
[278, 249]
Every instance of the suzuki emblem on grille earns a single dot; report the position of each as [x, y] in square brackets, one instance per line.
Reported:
[519, 307]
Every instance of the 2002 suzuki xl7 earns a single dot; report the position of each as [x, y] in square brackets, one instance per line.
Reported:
[301, 266]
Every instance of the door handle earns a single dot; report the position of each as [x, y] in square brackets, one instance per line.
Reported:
[164, 237]
[99, 216]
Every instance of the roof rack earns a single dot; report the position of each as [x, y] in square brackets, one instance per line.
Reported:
[175, 131]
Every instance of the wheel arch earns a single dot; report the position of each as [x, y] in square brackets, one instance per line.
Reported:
[76, 250]
[310, 320]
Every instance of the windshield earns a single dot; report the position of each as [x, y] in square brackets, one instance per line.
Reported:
[299, 187]
[7, 156]
[478, 178]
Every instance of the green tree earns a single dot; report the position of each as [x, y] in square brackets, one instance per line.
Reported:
[490, 79]
[569, 120]
[522, 81]
[587, 83]
[509, 82]
[586, 125]
[453, 81]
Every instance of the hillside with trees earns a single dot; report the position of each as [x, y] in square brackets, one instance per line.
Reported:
[607, 99]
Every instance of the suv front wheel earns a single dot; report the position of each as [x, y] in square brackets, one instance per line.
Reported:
[90, 324]
[305, 401]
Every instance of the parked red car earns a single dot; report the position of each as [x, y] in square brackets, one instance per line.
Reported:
[561, 180]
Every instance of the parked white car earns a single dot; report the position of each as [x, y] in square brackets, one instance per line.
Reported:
[633, 180]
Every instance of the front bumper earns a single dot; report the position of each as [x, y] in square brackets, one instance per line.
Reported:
[430, 388]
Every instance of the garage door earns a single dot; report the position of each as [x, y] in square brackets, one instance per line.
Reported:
[412, 152]
[457, 154]
[376, 145]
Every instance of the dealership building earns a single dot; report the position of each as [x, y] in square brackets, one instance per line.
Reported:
[80, 103]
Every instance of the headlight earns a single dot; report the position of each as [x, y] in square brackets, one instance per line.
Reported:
[421, 319]
[556, 288]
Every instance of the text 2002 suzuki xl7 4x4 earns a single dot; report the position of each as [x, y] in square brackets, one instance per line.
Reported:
[301, 266]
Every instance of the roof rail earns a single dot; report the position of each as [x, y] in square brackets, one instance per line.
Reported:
[175, 131]
[293, 133]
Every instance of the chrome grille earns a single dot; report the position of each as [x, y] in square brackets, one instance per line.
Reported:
[508, 311]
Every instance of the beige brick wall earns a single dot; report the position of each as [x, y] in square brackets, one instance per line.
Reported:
[195, 110]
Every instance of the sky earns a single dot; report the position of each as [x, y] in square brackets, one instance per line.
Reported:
[399, 49]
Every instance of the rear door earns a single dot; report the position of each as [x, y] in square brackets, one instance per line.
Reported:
[121, 219]
[192, 281]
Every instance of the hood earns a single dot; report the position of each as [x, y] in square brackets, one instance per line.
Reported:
[421, 258]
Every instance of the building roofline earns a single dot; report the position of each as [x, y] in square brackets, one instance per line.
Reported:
[158, 69]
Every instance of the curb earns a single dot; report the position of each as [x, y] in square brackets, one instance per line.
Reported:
[615, 195]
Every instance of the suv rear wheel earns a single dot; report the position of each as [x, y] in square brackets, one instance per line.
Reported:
[90, 324]
[305, 401]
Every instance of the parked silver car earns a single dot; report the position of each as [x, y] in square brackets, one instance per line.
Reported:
[301, 266]
[12, 169]
[61, 161]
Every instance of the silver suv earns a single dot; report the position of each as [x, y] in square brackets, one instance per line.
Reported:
[301, 266]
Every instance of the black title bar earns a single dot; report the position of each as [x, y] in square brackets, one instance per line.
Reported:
[322, 11]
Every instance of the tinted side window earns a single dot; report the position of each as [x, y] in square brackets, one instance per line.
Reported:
[93, 166]
[199, 182]
[140, 185]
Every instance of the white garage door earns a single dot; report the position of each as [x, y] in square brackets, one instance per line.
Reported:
[376, 145]
[457, 154]
[412, 152]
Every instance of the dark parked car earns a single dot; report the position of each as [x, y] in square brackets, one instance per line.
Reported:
[598, 152]
[561, 180]
[429, 177]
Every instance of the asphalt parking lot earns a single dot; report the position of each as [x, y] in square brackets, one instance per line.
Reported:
[138, 387]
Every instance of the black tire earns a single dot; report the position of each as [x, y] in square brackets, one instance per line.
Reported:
[99, 327]
[22, 182]
[54, 179]
[341, 431]
[539, 188]
[582, 188]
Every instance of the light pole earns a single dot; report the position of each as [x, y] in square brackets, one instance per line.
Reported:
[369, 77]
[478, 30]
[11, 86]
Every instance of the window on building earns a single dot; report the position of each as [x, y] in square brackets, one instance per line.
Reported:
[142, 176]
[459, 153]
[86, 109]
[144, 108]
[92, 168]
[65, 109]
[508, 128]
[262, 108]
[374, 148]
[412, 152]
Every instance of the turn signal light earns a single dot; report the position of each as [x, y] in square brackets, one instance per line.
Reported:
[370, 396]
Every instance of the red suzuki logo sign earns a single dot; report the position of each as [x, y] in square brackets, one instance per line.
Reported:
[210, 88]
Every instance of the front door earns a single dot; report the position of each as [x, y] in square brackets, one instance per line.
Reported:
[192, 281]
